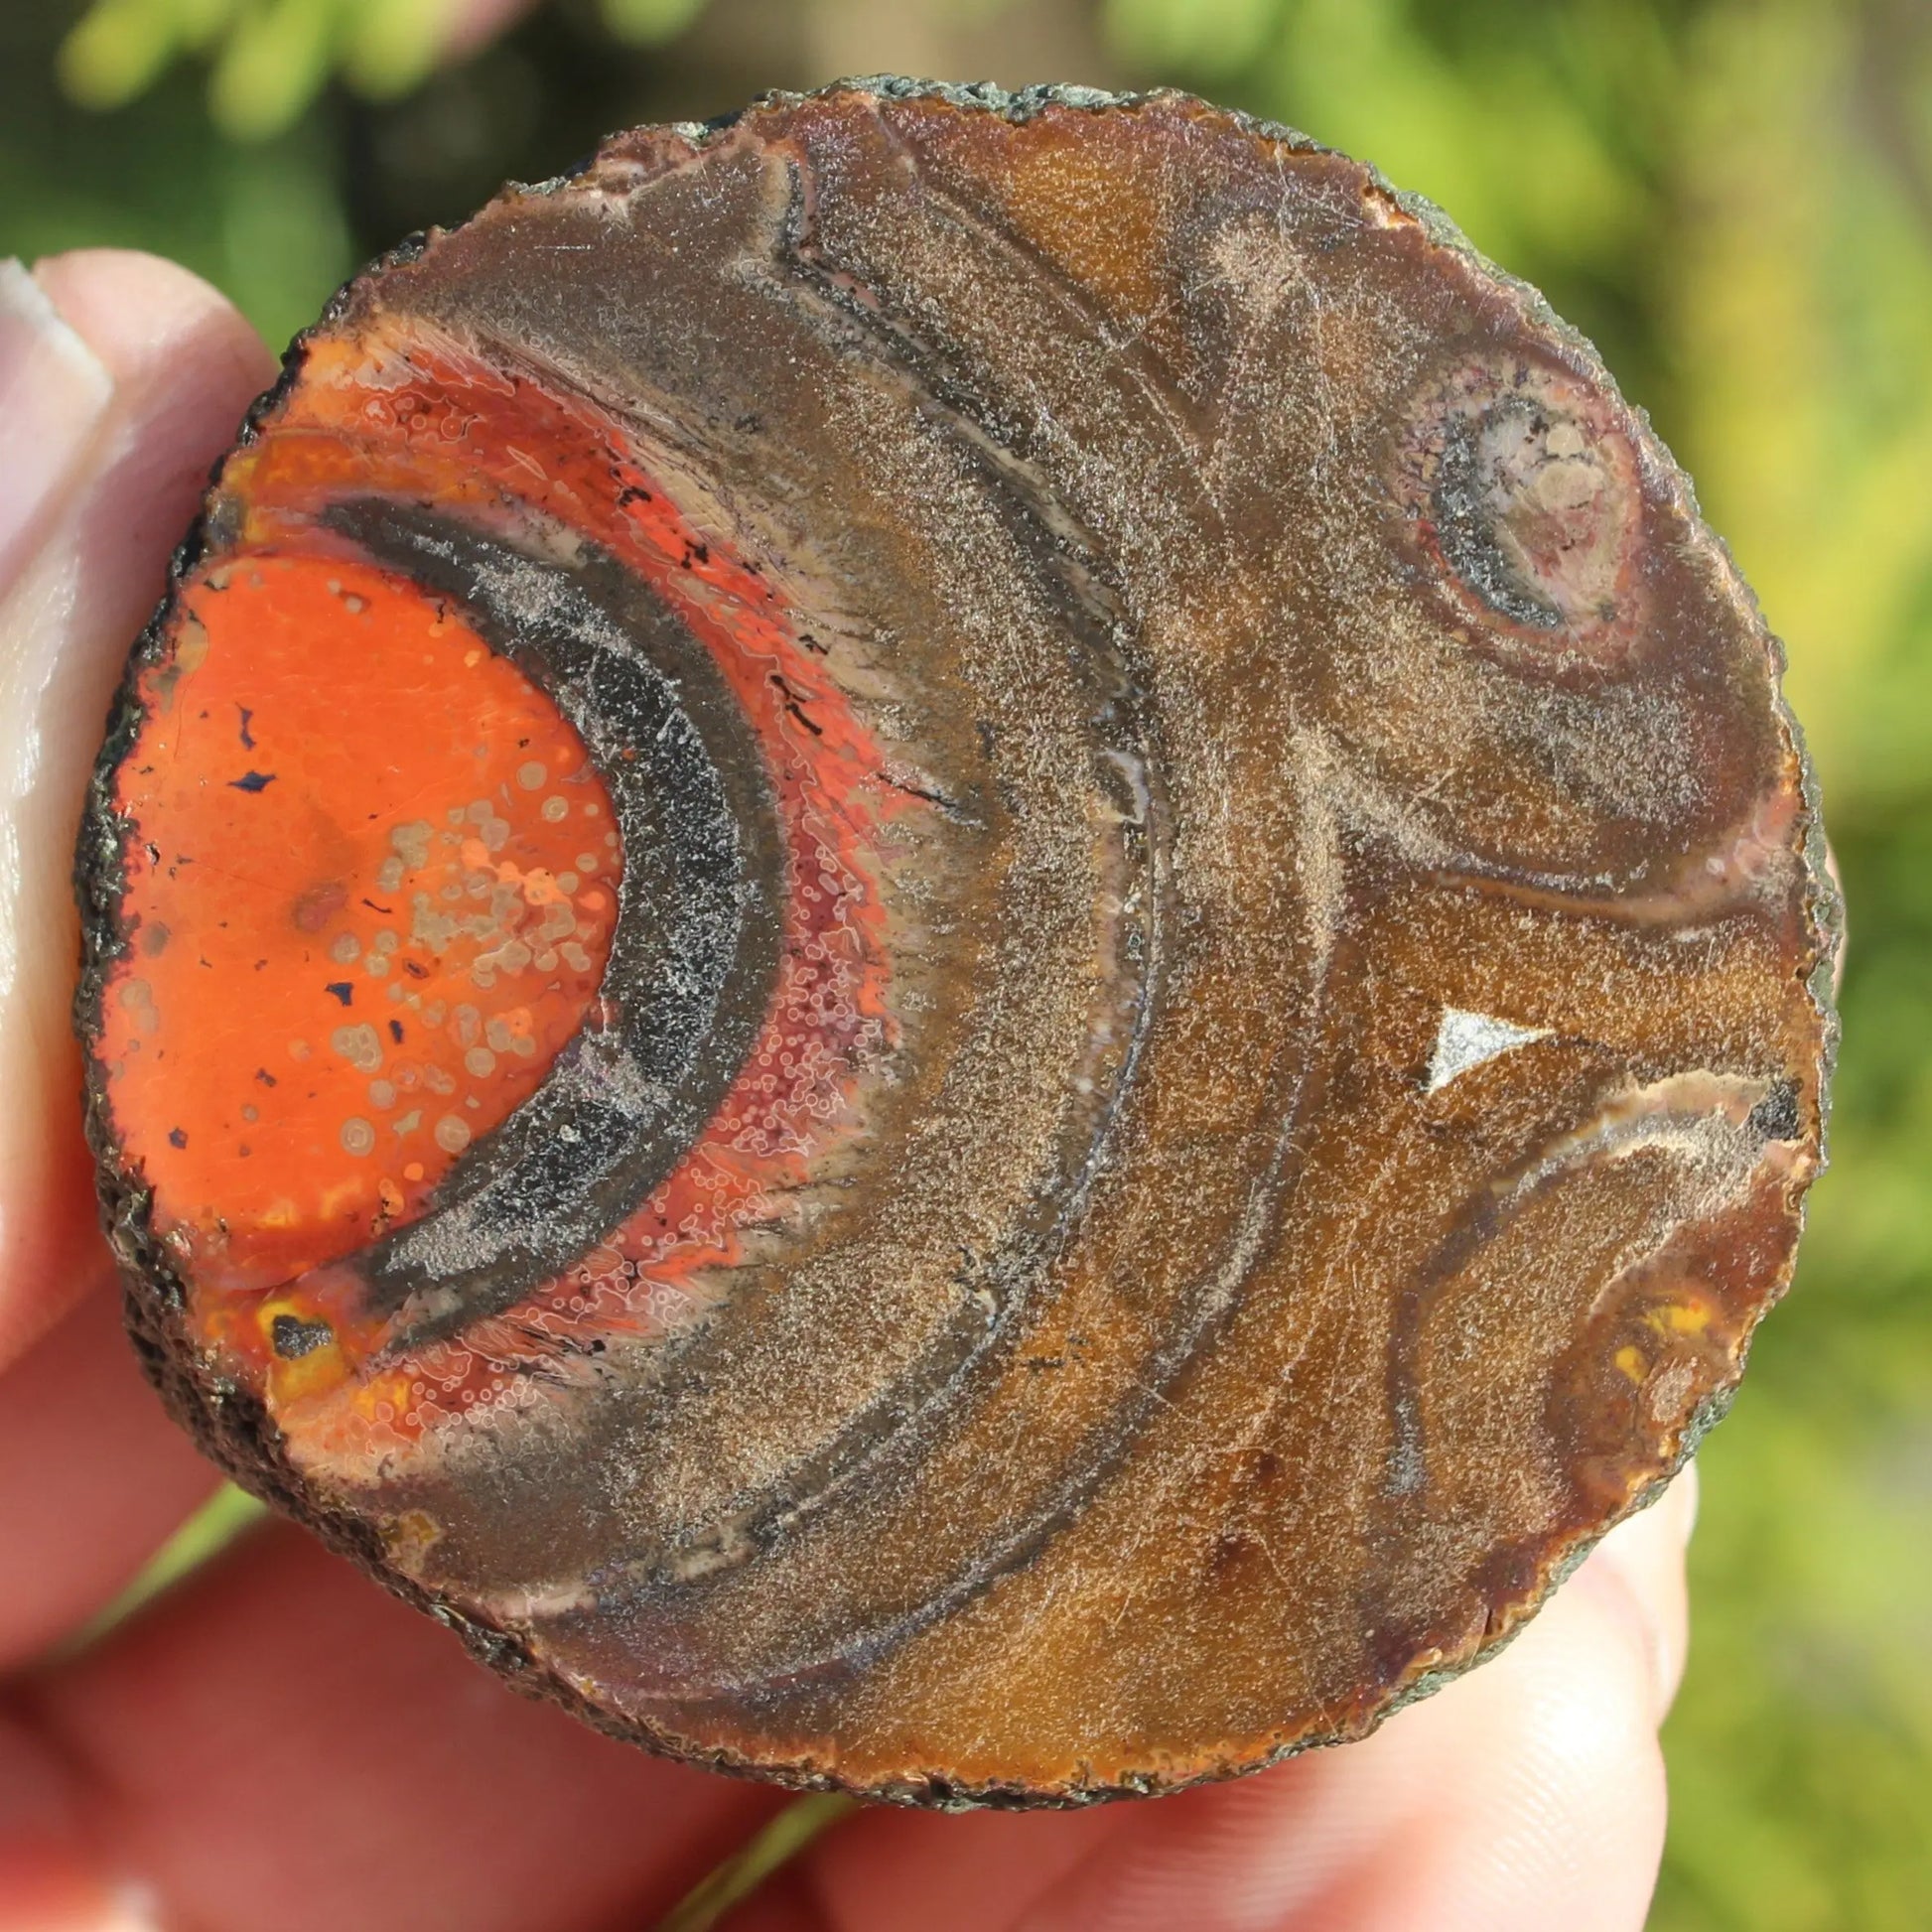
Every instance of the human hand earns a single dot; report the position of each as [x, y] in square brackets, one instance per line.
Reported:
[276, 1746]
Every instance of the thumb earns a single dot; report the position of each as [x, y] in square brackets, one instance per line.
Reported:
[121, 379]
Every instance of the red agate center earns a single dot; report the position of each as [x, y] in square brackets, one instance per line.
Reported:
[372, 889]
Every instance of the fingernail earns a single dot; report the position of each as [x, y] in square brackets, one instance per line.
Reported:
[54, 393]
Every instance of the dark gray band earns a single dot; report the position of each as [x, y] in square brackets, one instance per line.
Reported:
[694, 955]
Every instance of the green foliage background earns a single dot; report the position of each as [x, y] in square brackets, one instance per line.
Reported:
[1735, 199]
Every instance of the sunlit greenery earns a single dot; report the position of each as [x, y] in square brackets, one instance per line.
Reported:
[1735, 199]
[269, 59]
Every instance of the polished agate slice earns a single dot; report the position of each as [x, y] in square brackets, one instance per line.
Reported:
[956, 944]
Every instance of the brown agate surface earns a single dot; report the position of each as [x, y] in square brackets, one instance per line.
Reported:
[957, 943]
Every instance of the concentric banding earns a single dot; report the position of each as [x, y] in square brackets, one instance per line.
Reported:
[1522, 483]
[1205, 1038]
[700, 916]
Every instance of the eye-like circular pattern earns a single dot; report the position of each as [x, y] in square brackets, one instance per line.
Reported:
[1522, 481]
[957, 943]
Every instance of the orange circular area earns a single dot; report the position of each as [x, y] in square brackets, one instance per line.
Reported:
[372, 880]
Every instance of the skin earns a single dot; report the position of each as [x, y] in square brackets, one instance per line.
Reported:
[276, 1729]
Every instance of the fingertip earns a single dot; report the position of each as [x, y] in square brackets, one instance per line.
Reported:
[1640, 1565]
[94, 1478]
[132, 307]
[181, 365]
[1529, 1794]
[1540, 1783]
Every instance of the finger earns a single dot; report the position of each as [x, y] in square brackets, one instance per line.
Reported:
[976, 1873]
[140, 373]
[93, 1476]
[1644, 1559]
[1529, 1794]
[279, 1743]
[47, 1878]
[53, 394]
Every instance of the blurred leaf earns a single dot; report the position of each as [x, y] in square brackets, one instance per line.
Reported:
[390, 46]
[273, 64]
[1802, 321]
[646, 22]
[273, 58]
[118, 50]
[1208, 37]
[281, 229]
[156, 175]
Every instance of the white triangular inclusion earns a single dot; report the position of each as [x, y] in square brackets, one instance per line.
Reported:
[1466, 1040]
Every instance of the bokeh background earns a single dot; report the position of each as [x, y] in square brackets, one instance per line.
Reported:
[1733, 197]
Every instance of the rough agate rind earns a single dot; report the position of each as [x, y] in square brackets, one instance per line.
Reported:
[958, 944]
